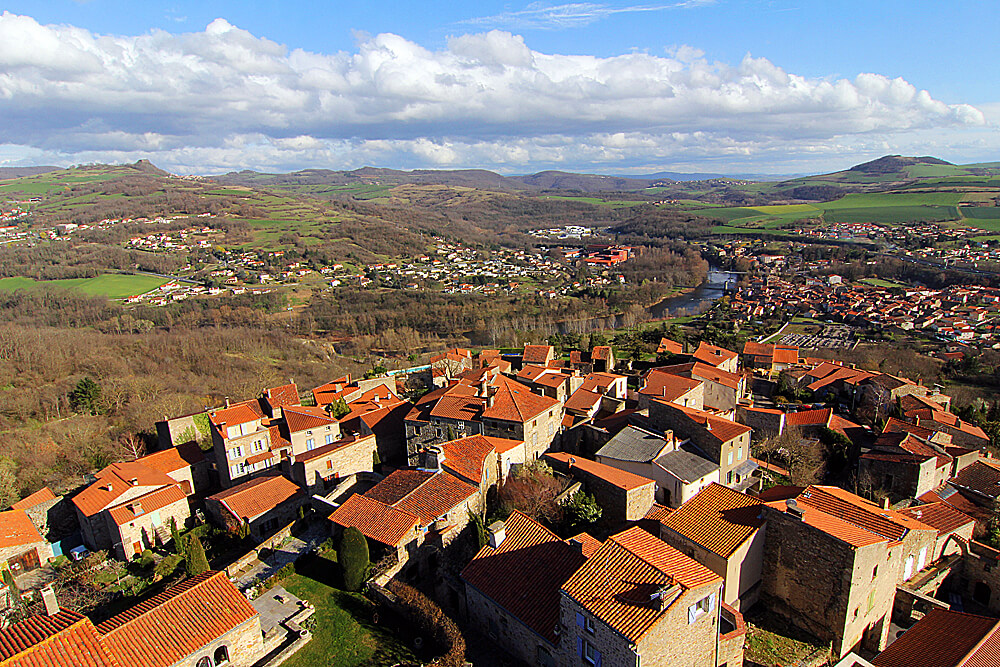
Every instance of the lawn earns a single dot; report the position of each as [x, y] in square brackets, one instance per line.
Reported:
[878, 282]
[111, 285]
[344, 634]
[771, 641]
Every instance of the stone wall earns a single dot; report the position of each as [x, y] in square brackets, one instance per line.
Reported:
[244, 645]
[339, 463]
[141, 529]
[900, 479]
[619, 504]
[731, 643]
[505, 629]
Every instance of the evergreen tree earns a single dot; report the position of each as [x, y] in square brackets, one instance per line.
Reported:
[85, 396]
[175, 535]
[339, 409]
[196, 560]
[353, 558]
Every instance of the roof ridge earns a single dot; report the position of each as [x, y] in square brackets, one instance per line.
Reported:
[986, 637]
[672, 578]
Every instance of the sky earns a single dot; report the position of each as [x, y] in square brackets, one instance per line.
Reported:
[724, 86]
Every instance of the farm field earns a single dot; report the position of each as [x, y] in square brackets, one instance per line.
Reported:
[111, 285]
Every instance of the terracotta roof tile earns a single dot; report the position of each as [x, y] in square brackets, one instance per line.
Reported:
[945, 638]
[376, 520]
[601, 353]
[615, 584]
[588, 543]
[303, 418]
[184, 618]
[259, 495]
[668, 386]
[286, 394]
[718, 518]
[831, 525]
[397, 485]
[463, 408]
[537, 354]
[515, 402]
[658, 512]
[146, 503]
[980, 477]
[437, 496]
[939, 515]
[712, 355]
[809, 417]
[174, 458]
[237, 413]
[668, 346]
[114, 481]
[16, 529]
[67, 639]
[525, 572]
[336, 445]
[583, 401]
[722, 429]
[43, 495]
[619, 478]
[466, 457]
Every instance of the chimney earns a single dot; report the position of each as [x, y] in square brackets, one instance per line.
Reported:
[227, 401]
[497, 532]
[49, 598]
[490, 397]
[134, 481]
[794, 509]
[110, 487]
[885, 503]
[433, 458]
[663, 596]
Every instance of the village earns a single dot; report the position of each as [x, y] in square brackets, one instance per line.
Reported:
[688, 528]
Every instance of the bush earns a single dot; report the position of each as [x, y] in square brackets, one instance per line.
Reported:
[146, 560]
[582, 511]
[431, 622]
[353, 558]
[286, 571]
[167, 566]
[196, 560]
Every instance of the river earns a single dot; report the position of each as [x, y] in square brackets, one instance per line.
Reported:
[706, 293]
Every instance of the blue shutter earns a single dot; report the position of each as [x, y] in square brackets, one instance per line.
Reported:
[711, 603]
[597, 658]
[579, 620]
[691, 613]
[579, 646]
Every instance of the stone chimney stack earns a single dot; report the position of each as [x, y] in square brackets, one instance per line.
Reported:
[498, 532]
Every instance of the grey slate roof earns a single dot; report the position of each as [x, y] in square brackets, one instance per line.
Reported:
[633, 444]
[687, 463]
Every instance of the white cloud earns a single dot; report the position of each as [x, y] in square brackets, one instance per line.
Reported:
[541, 15]
[225, 99]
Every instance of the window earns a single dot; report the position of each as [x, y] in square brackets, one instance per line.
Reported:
[703, 606]
[739, 453]
[871, 599]
[874, 572]
[236, 452]
[310, 443]
[730, 457]
[329, 464]
[922, 559]
[329, 438]
[589, 624]
[205, 662]
[591, 654]
[729, 477]
[221, 656]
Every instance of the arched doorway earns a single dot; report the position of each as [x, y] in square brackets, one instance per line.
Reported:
[981, 593]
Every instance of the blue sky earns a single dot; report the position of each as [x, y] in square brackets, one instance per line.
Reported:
[691, 85]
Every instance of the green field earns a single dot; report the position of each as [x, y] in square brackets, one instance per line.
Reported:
[981, 212]
[111, 285]
[597, 201]
[878, 282]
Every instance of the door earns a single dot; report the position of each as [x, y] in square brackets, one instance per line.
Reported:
[137, 547]
[908, 568]
[922, 559]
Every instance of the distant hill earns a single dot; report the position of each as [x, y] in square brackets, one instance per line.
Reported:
[896, 163]
[21, 172]
[562, 180]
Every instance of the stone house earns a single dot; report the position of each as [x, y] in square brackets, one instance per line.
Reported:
[513, 412]
[622, 495]
[539, 355]
[551, 382]
[606, 384]
[679, 469]
[953, 527]
[185, 464]
[22, 547]
[602, 358]
[48, 512]
[129, 508]
[832, 561]
[638, 600]
[683, 391]
[408, 509]
[720, 357]
[962, 433]
[631, 600]
[724, 442]
[722, 390]
[723, 530]
[241, 439]
[318, 470]
[308, 428]
[264, 503]
[945, 638]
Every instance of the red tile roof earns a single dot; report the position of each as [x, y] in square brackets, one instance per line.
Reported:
[718, 518]
[397, 485]
[462, 408]
[809, 417]
[334, 446]
[846, 506]
[237, 413]
[722, 429]
[376, 520]
[67, 639]
[512, 401]
[174, 458]
[16, 529]
[43, 495]
[668, 346]
[601, 353]
[524, 573]
[588, 543]
[658, 512]
[615, 584]
[619, 478]
[945, 638]
[466, 457]
[179, 621]
[257, 496]
[437, 496]
[831, 525]
[287, 394]
[939, 515]
[114, 481]
[712, 355]
[303, 418]
[537, 354]
[146, 503]
[583, 401]
[948, 419]
[668, 386]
